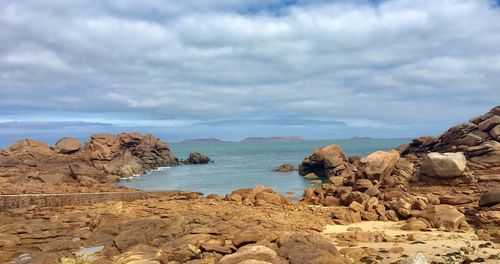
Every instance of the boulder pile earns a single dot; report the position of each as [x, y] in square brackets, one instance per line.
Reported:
[416, 182]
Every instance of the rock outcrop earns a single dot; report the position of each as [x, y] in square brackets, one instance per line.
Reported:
[330, 162]
[197, 158]
[30, 166]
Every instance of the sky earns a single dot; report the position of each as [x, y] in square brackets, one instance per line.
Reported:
[238, 68]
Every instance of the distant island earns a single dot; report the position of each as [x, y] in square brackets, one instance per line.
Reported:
[202, 140]
[356, 137]
[274, 139]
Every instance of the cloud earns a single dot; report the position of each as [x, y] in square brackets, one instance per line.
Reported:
[365, 63]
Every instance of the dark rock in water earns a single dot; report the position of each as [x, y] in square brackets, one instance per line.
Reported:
[285, 167]
[197, 158]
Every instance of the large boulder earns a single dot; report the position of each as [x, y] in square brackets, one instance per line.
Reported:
[67, 145]
[329, 161]
[261, 254]
[490, 198]
[379, 164]
[444, 216]
[308, 249]
[443, 165]
[197, 158]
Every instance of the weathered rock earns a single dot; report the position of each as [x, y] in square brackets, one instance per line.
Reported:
[140, 255]
[308, 249]
[379, 164]
[489, 123]
[311, 176]
[252, 252]
[252, 235]
[418, 258]
[197, 158]
[67, 145]
[490, 198]
[8, 161]
[495, 132]
[443, 165]
[329, 161]
[415, 224]
[29, 146]
[443, 216]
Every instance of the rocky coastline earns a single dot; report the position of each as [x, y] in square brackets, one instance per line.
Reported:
[395, 206]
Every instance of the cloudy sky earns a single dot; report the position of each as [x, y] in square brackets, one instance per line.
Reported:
[237, 68]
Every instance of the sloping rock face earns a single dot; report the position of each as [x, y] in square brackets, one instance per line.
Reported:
[30, 166]
[478, 139]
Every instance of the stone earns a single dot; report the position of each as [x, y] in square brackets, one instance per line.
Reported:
[252, 235]
[31, 147]
[379, 164]
[308, 249]
[423, 141]
[331, 201]
[128, 239]
[346, 215]
[216, 248]
[54, 178]
[337, 180]
[443, 216]
[415, 225]
[471, 140]
[8, 161]
[327, 162]
[139, 255]
[252, 252]
[489, 123]
[311, 176]
[67, 145]
[363, 184]
[284, 168]
[372, 191]
[197, 158]
[356, 207]
[495, 132]
[369, 216]
[443, 165]
[490, 198]
[418, 258]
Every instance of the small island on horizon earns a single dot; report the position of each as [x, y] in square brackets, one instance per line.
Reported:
[273, 139]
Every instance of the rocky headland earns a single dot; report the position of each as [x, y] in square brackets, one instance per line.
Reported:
[434, 200]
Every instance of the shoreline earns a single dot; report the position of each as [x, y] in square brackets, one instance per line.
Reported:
[60, 200]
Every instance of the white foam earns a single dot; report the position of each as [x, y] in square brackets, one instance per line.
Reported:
[161, 168]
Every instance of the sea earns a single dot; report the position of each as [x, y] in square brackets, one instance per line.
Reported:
[247, 164]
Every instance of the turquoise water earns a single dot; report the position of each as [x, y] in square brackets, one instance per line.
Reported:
[246, 164]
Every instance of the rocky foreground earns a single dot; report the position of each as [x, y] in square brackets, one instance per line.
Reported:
[435, 200]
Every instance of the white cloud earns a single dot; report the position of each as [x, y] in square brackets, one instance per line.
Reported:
[395, 61]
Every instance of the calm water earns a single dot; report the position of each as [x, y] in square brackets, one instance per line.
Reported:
[242, 165]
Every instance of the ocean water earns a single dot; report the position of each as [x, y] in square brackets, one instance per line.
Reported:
[247, 164]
